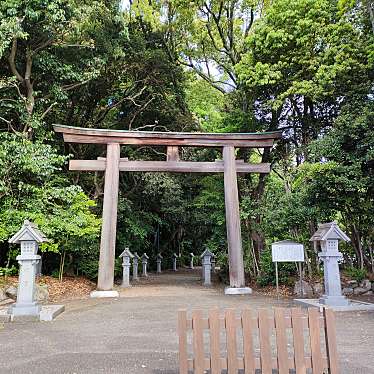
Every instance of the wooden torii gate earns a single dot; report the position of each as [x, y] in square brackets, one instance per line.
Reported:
[113, 164]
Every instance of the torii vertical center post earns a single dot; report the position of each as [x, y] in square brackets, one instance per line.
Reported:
[113, 164]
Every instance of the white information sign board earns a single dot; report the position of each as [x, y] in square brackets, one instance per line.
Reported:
[287, 251]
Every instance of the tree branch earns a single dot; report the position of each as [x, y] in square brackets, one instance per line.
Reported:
[139, 111]
[48, 110]
[29, 86]
[12, 63]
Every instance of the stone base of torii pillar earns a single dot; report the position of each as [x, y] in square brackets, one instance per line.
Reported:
[238, 291]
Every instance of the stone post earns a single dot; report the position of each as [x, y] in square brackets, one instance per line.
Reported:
[145, 259]
[158, 262]
[135, 264]
[191, 260]
[207, 266]
[126, 256]
[175, 256]
[29, 237]
[328, 235]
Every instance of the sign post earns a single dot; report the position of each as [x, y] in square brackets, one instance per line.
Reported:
[287, 251]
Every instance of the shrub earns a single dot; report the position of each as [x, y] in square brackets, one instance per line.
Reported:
[356, 274]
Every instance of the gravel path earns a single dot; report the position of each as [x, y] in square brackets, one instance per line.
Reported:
[137, 332]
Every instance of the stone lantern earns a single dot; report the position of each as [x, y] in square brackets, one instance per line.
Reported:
[328, 235]
[207, 266]
[191, 260]
[158, 262]
[29, 237]
[126, 256]
[145, 259]
[135, 264]
[175, 256]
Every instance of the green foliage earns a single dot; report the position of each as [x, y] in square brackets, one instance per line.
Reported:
[356, 274]
[303, 66]
[286, 271]
[5, 272]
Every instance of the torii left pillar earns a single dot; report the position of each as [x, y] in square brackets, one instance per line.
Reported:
[108, 232]
[234, 238]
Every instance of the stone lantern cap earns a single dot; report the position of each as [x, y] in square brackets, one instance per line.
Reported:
[159, 257]
[136, 255]
[328, 231]
[145, 257]
[28, 232]
[207, 252]
[175, 255]
[126, 253]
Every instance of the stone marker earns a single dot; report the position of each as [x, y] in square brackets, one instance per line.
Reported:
[207, 266]
[175, 256]
[191, 260]
[29, 237]
[328, 235]
[135, 264]
[126, 256]
[145, 259]
[158, 262]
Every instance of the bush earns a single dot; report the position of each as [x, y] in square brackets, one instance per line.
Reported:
[89, 268]
[357, 274]
[4, 272]
[286, 271]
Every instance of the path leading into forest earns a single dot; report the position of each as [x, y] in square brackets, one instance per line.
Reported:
[137, 332]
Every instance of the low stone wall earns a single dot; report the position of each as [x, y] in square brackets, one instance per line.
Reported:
[366, 287]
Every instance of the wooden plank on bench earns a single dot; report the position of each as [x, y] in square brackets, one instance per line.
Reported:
[215, 356]
[265, 347]
[281, 340]
[298, 340]
[198, 341]
[182, 331]
[330, 336]
[315, 340]
[232, 362]
[248, 327]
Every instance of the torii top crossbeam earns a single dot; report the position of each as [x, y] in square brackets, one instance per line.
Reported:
[113, 164]
[186, 139]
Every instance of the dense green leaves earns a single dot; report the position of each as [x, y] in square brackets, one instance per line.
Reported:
[304, 66]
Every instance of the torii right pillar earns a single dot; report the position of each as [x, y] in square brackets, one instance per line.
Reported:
[234, 237]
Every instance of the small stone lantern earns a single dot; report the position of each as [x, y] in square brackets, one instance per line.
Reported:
[145, 259]
[158, 262]
[191, 260]
[175, 256]
[29, 237]
[126, 256]
[135, 264]
[207, 266]
[328, 235]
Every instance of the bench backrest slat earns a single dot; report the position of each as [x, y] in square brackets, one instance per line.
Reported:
[182, 329]
[215, 355]
[315, 340]
[286, 339]
[248, 349]
[265, 346]
[298, 340]
[330, 336]
[281, 339]
[198, 341]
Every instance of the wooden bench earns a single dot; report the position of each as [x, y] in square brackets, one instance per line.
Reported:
[279, 341]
